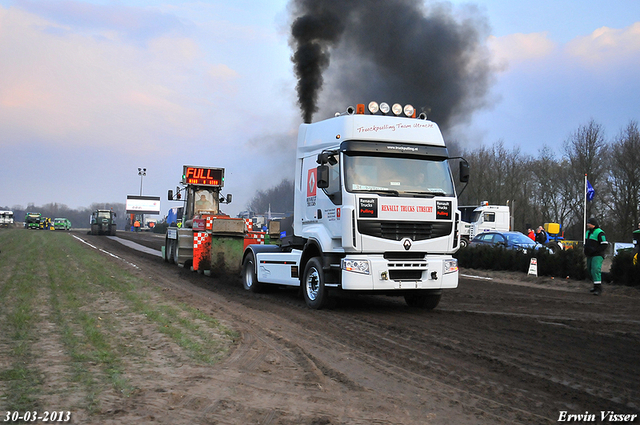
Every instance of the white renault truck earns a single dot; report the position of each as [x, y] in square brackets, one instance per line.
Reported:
[483, 218]
[375, 211]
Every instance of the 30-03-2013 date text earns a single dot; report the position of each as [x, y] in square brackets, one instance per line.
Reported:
[33, 416]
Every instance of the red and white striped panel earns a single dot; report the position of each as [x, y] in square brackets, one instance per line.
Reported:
[209, 223]
[198, 239]
[248, 223]
[258, 236]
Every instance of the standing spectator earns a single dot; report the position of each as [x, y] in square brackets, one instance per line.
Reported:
[531, 234]
[541, 236]
[594, 248]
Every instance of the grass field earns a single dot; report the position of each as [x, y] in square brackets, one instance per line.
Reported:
[77, 328]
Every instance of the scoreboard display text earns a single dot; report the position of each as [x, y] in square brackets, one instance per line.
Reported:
[202, 176]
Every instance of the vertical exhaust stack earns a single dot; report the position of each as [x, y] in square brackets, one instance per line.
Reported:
[404, 51]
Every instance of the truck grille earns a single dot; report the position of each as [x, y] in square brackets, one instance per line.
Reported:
[398, 230]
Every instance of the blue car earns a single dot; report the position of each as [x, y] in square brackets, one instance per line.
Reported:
[508, 240]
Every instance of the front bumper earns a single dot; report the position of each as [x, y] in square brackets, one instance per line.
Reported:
[403, 274]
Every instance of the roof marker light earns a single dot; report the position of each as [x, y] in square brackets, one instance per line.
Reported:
[373, 107]
[360, 108]
[409, 111]
[384, 108]
[396, 108]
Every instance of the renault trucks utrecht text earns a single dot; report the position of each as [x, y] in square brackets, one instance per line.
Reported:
[375, 211]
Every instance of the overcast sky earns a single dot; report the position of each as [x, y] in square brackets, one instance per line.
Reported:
[92, 90]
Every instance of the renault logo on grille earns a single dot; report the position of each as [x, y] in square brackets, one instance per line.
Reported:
[406, 243]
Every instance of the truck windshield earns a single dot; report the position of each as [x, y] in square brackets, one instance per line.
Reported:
[397, 176]
[104, 214]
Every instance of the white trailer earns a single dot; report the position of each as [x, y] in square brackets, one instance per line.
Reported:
[483, 218]
[375, 211]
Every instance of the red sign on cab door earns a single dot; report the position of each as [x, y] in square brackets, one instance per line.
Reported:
[312, 179]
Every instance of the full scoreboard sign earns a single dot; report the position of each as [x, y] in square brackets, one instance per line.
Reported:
[203, 176]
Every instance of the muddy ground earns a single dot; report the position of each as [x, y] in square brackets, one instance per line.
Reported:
[514, 349]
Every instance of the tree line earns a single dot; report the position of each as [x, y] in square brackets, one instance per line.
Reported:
[550, 188]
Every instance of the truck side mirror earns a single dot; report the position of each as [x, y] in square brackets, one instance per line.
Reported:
[327, 157]
[170, 195]
[229, 198]
[464, 172]
[323, 176]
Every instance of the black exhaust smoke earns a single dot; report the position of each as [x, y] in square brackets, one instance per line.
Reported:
[313, 33]
[401, 51]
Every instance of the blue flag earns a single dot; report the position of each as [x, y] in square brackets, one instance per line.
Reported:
[590, 191]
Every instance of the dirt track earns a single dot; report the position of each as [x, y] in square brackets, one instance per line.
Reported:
[513, 351]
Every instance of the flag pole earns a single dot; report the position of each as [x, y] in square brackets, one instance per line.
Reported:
[584, 224]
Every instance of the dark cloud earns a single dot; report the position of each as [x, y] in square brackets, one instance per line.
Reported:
[404, 51]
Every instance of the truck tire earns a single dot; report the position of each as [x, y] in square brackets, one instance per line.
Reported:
[165, 255]
[315, 293]
[175, 253]
[464, 243]
[112, 230]
[170, 250]
[249, 278]
[423, 299]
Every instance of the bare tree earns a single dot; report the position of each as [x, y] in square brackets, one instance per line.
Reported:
[624, 183]
[279, 198]
[556, 197]
[586, 153]
[500, 176]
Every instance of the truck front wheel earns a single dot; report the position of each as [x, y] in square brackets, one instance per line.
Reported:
[249, 278]
[423, 299]
[315, 293]
[464, 243]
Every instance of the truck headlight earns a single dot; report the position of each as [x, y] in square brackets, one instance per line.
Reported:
[358, 266]
[450, 266]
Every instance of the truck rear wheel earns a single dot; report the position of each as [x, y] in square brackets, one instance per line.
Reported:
[249, 278]
[464, 243]
[171, 247]
[423, 299]
[167, 249]
[175, 253]
[315, 293]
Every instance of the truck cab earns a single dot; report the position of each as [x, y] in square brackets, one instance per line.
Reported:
[483, 218]
[32, 220]
[375, 211]
[6, 218]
